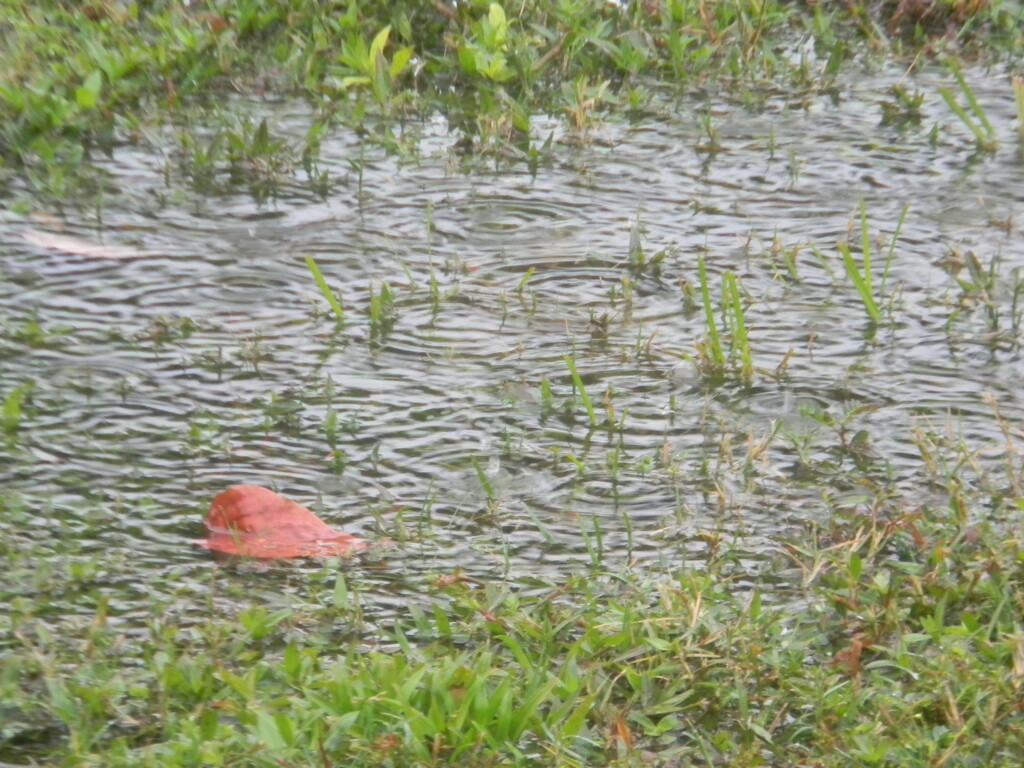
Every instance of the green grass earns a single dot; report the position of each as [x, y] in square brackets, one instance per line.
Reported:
[862, 275]
[325, 290]
[715, 353]
[975, 119]
[12, 409]
[382, 312]
[81, 81]
[581, 391]
[721, 357]
[905, 650]
[485, 481]
[737, 326]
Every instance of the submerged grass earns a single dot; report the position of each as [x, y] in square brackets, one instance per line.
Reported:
[862, 276]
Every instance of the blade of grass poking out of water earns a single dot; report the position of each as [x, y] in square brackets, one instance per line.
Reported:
[339, 313]
[862, 280]
[525, 280]
[594, 543]
[892, 248]
[714, 341]
[984, 133]
[738, 325]
[485, 481]
[382, 312]
[578, 383]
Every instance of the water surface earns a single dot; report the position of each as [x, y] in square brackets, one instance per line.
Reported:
[207, 358]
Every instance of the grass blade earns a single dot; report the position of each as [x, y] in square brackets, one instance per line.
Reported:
[578, 383]
[859, 282]
[717, 354]
[979, 135]
[339, 313]
[738, 325]
[971, 100]
[984, 133]
[485, 481]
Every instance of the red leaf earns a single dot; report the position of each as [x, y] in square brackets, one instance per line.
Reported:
[255, 522]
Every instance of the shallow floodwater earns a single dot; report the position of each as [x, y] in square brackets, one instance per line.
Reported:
[203, 356]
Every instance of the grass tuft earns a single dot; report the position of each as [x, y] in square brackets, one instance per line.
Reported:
[976, 121]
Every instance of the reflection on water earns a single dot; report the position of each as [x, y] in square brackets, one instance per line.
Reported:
[208, 361]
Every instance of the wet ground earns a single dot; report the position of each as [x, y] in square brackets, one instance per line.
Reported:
[196, 352]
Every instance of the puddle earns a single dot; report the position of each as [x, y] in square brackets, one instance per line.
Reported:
[207, 360]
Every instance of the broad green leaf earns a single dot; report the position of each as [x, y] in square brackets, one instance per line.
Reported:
[267, 730]
[377, 46]
[497, 27]
[88, 94]
[468, 60]
[400, 61]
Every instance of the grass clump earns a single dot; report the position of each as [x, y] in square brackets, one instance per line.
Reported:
[976, 121]
[862, 276]
[723, 357]
[581, 391]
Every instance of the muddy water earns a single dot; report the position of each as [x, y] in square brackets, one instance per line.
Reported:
[202, 356]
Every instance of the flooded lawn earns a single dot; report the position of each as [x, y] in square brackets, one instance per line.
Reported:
[194, 351]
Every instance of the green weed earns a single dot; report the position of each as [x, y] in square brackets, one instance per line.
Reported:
[581, 391]
[484, 52]
[325, 290]
[674, 663]
[12, 409]
[713, 358]
[861, 276]
[485, 481]
[365, 65]
[382, 312]
[713, 349]
[985, 288]
[80, 80]
[547, 400]
[977, 121]
[733, 305]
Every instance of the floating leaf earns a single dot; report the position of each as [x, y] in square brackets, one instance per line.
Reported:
[256, 522]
